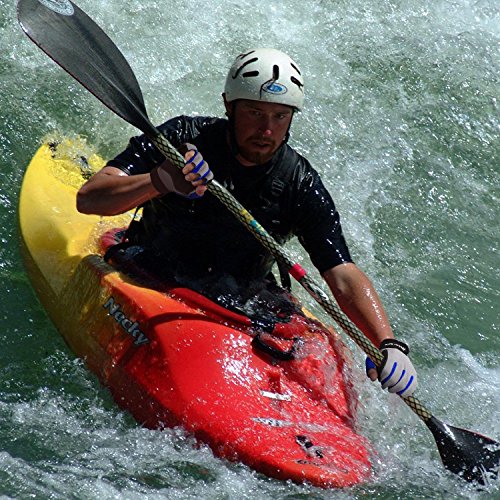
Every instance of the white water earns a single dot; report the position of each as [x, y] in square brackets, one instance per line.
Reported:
[401, 119]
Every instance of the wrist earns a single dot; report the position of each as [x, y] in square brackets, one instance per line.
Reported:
[395, 344]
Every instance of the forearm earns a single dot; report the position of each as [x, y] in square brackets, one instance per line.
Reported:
[358, 299]
[111, 193]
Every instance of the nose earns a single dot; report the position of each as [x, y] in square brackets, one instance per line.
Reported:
[265, 126]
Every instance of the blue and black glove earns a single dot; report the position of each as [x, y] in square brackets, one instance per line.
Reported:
[167, 178]
[396, 373]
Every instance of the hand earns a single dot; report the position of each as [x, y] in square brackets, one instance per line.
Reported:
[396, 373]
[190, 182]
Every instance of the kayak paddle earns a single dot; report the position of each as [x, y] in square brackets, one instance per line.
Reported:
[75, 42]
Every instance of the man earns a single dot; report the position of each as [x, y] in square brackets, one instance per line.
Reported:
[194, 239]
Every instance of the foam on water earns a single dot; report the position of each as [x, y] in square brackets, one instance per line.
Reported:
[401, 120]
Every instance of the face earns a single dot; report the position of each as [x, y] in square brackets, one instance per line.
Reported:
[260, 128]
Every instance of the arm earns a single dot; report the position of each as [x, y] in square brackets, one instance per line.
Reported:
[320, 233]
[111, 191]
[357, 297]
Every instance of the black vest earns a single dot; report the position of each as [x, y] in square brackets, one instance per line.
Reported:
[197, 237]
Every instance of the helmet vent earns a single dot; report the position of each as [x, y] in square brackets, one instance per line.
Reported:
[276, 72]
[250, 73]
[243, 66]
[297, 82]
[295, 68]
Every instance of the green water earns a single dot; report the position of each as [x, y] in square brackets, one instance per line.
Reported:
[401, 119]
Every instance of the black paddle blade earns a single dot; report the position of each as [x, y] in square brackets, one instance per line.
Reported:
[474, 457]
[75, 42]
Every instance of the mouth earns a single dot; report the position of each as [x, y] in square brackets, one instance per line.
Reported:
[262, 144]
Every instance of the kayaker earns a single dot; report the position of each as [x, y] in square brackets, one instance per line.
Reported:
[194, 239]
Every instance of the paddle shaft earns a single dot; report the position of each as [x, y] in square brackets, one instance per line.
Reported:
[296, 271]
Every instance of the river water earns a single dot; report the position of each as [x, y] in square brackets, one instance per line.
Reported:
[402, 121]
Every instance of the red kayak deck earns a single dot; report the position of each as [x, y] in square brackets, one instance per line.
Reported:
[181, 359]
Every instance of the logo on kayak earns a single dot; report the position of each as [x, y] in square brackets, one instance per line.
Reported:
[131, 327]
[274, 88]
[63, 7]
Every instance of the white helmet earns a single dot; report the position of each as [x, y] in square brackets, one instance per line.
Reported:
[266, 75]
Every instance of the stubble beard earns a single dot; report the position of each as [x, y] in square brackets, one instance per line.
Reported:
[257, 157]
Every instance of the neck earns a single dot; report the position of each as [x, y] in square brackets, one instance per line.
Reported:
[245, 162]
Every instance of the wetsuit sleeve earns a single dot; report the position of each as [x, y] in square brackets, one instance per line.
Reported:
[318, 225]
[141, 155]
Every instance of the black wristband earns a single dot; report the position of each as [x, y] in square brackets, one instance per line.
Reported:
[395, 344]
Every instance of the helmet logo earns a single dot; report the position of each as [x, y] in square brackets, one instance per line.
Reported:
[274, 88]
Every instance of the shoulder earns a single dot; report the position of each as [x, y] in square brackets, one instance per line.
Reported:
[307, 194]
[297, 168]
